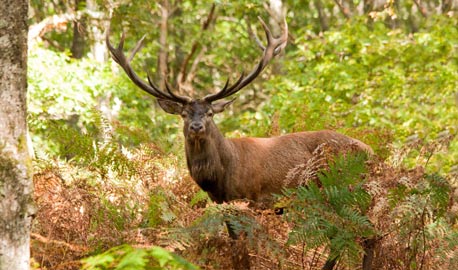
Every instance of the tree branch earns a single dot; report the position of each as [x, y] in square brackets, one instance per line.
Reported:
[162, 57]
[59, 23]
[183, 76]
[46, 240]
[345, 11]
[421, 8]
[253, 35]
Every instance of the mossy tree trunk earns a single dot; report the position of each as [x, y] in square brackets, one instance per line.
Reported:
[16, 205]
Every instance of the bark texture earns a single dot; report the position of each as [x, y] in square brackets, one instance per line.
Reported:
[79, 31]
[16, 204]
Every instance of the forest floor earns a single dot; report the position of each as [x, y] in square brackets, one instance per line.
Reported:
[82, 213]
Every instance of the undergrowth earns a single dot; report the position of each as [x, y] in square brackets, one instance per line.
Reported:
[332, 211]
[111, 183]
[127, 257]
[409, 213]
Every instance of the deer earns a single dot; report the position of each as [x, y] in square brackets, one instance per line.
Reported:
[234, 168]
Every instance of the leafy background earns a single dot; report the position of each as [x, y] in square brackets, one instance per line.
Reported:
[108, 159]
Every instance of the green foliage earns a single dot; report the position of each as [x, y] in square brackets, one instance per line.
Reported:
[370, 77]
[54, 94]
[433, 193]
[80, 100]
[420, 212]
[239, 217]
[384, 81]
[409, 217]
[332, 213]
[126, 257]
[159, 210]
[94, 149]
[217, 215]
[370, 81]
[199, 197]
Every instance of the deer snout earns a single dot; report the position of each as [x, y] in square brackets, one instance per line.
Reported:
[196, 127]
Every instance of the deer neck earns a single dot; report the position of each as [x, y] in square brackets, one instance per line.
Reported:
[207, 160]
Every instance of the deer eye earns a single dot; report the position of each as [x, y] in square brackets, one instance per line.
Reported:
[184, 114]
[209, 113]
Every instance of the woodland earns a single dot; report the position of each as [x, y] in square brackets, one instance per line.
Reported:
[111, 186]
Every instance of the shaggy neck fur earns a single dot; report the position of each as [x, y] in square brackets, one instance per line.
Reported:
[207, 159]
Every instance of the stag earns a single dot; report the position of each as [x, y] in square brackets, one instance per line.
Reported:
[237, 168]
[234, 168]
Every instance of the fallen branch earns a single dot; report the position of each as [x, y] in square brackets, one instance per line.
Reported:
[46, 240]
[59, 23]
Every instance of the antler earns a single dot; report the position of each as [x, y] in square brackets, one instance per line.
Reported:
[120, 58]
[273, 48]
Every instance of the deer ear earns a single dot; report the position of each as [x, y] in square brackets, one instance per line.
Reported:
[170, 106]
[220, 106]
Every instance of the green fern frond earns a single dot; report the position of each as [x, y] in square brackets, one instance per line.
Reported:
[344, 170]
[332, 212]
[128, 257]
[200, 196]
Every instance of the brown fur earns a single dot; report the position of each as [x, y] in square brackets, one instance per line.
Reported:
[246, 168]
[228, 169]
[254, 168]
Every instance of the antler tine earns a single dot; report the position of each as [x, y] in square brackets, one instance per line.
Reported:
[223, 92]
[175, 96]
[120, 58]
[254, 36]
[273, 48]
[224, 88]
[155, 87]
[135, 49]
[269, 35]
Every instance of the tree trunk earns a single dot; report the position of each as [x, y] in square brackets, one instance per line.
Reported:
[324, 23]
[79, 30]
[16, 205]
[163, 53]
[96, 28]
[369, 253]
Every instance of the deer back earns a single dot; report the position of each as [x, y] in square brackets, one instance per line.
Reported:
[260, 165]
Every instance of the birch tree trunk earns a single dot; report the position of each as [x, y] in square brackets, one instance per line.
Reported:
[16, 204]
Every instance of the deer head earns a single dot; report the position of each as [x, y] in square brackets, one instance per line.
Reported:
[197, 113]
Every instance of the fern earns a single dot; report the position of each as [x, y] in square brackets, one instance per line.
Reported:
[159, 208]
[200, 196]
[129, 258]
[419, 212]
[216, 216]
[93, 147]
[332, 211]
[213, 226]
